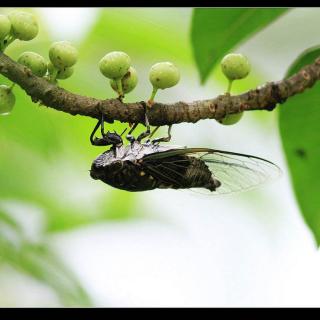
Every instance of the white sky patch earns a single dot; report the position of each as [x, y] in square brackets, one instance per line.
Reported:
[68, 23]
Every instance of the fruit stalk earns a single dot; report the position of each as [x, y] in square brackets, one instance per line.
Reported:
[153, 94]
[119, 87]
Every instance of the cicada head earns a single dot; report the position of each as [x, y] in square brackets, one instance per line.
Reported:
[113, 138]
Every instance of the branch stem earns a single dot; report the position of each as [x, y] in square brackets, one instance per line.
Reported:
[265, 97]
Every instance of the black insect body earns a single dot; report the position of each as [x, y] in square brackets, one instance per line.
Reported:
[136, 167]
[150, 165]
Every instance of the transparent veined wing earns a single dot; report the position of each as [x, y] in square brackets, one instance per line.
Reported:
[236, 171]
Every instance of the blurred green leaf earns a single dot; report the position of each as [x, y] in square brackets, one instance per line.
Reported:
[214, 32]
[37, 260]
[144, 33]
[299, 121]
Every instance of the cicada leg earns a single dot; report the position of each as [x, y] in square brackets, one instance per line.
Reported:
[129, 136]
[147, 132]
[163, 139]
[154, 131]
[94, 140]
[122, 133]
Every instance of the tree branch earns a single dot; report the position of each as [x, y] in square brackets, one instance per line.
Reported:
[265, 97]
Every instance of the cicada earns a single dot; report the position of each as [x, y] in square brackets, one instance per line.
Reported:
[146, 166]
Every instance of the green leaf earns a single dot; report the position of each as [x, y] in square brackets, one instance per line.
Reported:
[299, 122]
[214, 32]
[38, 261]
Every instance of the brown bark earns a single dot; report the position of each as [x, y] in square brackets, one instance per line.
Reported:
[265, 97]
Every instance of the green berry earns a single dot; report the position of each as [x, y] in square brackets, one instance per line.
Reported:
[65, 73]
[164, 75]
[129, 81]
[24, 25]
[115, 65]
[35, 62]
[5, 26]
[235, 66]
[62, 74]
[231, 118]
[63, 55]
[7, 100]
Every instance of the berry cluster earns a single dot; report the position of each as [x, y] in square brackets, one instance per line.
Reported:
[123, 77]
[16, 25]
[62, 55]
[115, 65]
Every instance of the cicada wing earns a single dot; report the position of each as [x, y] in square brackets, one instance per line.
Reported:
[167, 167]
[236, 171]
[239, 172]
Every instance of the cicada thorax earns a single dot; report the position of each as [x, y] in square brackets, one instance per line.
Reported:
[124, 169]
[121, 168]
[126, 175]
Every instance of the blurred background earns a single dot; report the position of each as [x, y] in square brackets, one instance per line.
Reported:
[68, 240]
